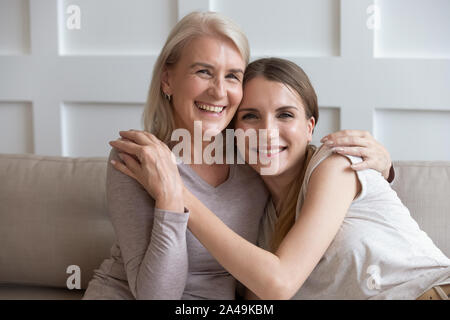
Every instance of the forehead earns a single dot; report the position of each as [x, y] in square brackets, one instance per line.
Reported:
[261, 92]
[215, 50]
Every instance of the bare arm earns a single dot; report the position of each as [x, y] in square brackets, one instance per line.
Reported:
[332, 187]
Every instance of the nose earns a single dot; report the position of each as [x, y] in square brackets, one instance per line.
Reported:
[217, 89]
[271, 127]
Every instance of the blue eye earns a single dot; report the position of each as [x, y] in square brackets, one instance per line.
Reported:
[248, 116]
[204, 71]
[286, 115]
[232, 75]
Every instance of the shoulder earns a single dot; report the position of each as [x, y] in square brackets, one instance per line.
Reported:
[121, 184]
[333, 172]
[334, 163]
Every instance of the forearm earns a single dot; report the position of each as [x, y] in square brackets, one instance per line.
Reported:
[163, 271]
[254, 267]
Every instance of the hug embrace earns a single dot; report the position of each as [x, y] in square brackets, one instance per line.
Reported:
[323, 224]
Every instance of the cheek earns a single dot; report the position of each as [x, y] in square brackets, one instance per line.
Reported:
[191, 87]
[235, 95]
[243, 126]
[296, 136]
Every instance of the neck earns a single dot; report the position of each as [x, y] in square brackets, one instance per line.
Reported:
[278, 185]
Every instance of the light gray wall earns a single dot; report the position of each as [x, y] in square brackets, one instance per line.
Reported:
[377, 65]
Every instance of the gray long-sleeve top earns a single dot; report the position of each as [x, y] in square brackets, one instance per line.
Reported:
[155, 252]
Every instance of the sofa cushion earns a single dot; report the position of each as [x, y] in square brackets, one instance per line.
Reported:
[424, 187]
[19, 292]
[52, 215]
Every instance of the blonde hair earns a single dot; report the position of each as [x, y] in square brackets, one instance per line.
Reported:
[157, 117]
[291, 75]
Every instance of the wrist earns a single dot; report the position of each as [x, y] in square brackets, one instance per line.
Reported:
[173, 203]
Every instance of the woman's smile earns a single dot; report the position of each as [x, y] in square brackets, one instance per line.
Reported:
[270, 152]
[210, 109]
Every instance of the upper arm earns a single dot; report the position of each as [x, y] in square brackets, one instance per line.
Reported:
[152, 241]
[332, 187]
[131, 211]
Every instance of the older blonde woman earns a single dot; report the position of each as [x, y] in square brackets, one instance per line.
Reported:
[197, 77]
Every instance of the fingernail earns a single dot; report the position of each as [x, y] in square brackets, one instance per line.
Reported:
[338, 149]
[329, 142]
[113, 162]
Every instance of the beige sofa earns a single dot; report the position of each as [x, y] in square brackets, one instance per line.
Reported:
[53, 215]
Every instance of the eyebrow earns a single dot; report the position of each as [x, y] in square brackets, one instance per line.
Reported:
[206, 65]
[278, 109]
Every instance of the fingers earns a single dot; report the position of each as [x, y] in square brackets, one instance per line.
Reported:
[123, 168]
[361, 165]
[351, 151]
[127, 146]
[348, 141]
[138, 137]
[130, 162]
[346, 133]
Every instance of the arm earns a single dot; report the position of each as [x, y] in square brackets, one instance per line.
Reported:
[152, 241]
[360, 143]
[331, 190]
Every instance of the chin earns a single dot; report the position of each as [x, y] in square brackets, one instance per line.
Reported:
[212, 130]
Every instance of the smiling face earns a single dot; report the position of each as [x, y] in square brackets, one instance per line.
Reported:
[272, 105]
[205, 84]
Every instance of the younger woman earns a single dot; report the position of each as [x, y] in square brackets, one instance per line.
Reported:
[332, 233]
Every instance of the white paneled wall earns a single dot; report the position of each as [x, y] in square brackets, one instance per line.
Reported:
[81, 132]
[17, 127]
[14, 27]
[287, 28]
[377, 65]
[137, 27]
[414, 134]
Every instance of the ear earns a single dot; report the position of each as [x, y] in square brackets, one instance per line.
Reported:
[165, 81]
[311, 123]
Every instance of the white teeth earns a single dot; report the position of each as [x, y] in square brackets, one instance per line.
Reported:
[271, 151]
[209, 108]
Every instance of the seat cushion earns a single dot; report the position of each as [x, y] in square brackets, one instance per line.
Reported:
[17, 292]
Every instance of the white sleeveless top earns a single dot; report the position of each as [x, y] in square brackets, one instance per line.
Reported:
[379, 251]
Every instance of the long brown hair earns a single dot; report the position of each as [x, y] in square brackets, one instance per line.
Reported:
[291, 75]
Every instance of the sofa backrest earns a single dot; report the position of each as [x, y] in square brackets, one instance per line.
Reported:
[53, 214]
[424, 188]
